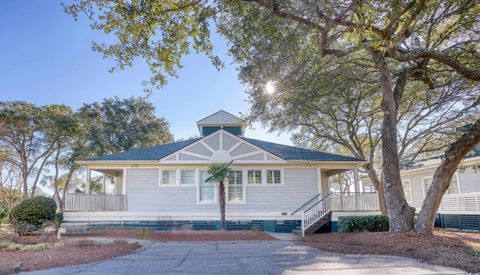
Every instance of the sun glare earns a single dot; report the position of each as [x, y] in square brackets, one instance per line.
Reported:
[270, 87]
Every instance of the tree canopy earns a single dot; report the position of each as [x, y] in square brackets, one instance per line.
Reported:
[435, 43]
[34, 139]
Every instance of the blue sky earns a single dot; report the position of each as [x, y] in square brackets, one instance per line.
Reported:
[46, 58]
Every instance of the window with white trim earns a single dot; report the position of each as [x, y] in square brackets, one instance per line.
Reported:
[187, 177]
[169, 177]
[274, 177]
[206, 189]
[235, 186]
[452, 189]
[254, 177]
[407, 190]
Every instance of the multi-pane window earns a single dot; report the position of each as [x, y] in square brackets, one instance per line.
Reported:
[169, 177]
[235, 186]
[452, 189]
[407, 190]
[273, 177]
[187, 177]
[254, 176]
[207, 189]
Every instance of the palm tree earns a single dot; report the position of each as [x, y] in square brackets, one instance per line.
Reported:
[218, 173]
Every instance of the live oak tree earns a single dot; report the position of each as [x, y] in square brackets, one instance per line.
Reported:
[42, 144]
[24, 137]
[338, 108]
[65, 132]
[115, 125]
[402, 39]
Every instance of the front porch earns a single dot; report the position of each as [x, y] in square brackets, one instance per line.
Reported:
[105, 190]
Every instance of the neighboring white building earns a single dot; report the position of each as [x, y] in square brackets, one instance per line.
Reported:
[273, 187]
[460, 206]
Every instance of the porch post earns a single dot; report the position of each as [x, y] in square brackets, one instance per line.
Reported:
[356, 182]
[124, 181]
[104, 181]
[87, 184]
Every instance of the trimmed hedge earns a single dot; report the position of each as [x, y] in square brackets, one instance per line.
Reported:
[29, 215]
[374, 223]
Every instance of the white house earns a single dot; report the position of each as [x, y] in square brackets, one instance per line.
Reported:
[460, 207]
[272, 187]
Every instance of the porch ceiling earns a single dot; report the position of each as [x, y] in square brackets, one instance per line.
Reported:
[334, 172]
[110, 172]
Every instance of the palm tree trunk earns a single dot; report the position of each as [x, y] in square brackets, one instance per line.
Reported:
[221, 195]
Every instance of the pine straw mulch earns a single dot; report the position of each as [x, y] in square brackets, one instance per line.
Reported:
[64, 252]
[446, 248]
[181, 235]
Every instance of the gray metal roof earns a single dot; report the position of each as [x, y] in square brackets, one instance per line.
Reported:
[147, 153]
[283, 151]
[296, 153]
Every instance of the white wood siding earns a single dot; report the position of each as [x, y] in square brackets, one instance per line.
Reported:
[469, 182]
[145, 195]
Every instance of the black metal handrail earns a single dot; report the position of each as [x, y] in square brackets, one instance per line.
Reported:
[305, 204]
[318, 202]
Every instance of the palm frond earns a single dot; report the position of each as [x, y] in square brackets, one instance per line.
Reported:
[218, 171]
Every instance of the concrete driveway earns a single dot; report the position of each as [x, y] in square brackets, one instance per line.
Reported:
[272, 257]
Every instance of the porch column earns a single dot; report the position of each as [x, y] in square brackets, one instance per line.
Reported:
[87, 184]
[104, 182]
[325, 188]
[356, 182]
[124, 181]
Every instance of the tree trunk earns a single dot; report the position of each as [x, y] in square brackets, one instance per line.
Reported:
[442, 176]
[24, 184]
[400, 214]
[221, 196]
[55, 180]
[377, 183]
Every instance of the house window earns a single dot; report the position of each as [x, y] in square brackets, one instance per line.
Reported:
[169, 177]
[273, 177]
[254, 176]
[207, 189]
[235, 186]
[407, 190]
[187, 177]
[452, 189]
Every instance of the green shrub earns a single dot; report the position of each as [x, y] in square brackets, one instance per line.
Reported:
[29, 215]
[374, 223]
[57, 221]
[4, 214]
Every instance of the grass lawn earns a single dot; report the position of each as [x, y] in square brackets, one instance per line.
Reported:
[447, 248]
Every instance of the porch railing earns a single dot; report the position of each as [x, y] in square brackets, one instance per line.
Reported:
[468, 203]
[95, 202]
[355, 201]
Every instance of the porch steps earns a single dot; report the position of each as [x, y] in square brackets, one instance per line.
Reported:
[316, 226]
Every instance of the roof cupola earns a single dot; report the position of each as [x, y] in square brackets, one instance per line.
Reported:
[221, 120]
